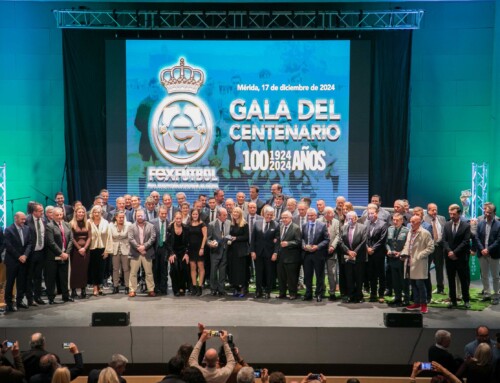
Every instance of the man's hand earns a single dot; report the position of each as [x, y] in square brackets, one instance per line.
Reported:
[369, 250]
[284, 243]
[223, 336]
[452, 256]
[141, 249]
[264, 377]
[171, 259]
[23, 259]
[73, 349]
[64, 256]
[82, 251]
[416, 370]
[485, 252]
[186, 259]
[253, 255]
[351, 253]
[15, 349]
[204, 336]
[331, 249]
[274, 257]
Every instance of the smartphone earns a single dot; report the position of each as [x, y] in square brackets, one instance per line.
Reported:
[66, 345]
[257, 373]
[10, 344]
[214, 333]
[426, 366]
[314, 377]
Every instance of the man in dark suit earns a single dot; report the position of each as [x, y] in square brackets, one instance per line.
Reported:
[218, 232]
[31, 358]
[289, 256]
[264, 247]
[18, 249]
[353, 244]
[36, 260]
[142, 237]
[160, 268]
[171, 210]
[136, 205]
[315, 243]
[254, 197]
[376, 235]
[456, 244]
[104, 193]
[437, 223]
[333, 228]
[279, 207]
[487, 244]
[150, 210]
[276, 189]
[67, 209]
[59, 242]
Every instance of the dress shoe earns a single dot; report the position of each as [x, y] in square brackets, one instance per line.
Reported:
[293, 297]
[319, 298]
[212, 293]
[452, 305]
[222, 293]
[177, 294]
[116, 290]
[53, 302]
[83, 294]
[332, 298]
[359, 300]
[281, 297]
[11, 309]
[40, 301]
[152, 294]
[307, 298]
[127, 290]
[68, 299]
[396, 303]
[73, 293]
[345, 300]
[258, 295]
[467, 305]
[266, 296]
[32, 303]
[132, 294]
[22, 305]
[199, 292]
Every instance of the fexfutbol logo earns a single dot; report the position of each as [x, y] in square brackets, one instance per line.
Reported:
[182, 124]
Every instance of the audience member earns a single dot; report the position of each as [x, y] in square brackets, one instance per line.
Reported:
[478, 369]
[49, 363]
[61, 375]
[108, 375]
[439, 352]
[31, 358]
[174, 369]
[192, 375]
[11, 373]
[444, 376]
[118, 363]
[482, 336]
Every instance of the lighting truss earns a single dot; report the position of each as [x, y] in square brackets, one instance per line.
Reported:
[319, 20]
[479, 188]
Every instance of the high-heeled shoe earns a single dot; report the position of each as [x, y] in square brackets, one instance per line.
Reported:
[73, 293]
[200, 291]
[83, 294]
[116, 290]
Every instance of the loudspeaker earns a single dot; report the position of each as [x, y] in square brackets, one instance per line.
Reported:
[403, 320]
[110, 319]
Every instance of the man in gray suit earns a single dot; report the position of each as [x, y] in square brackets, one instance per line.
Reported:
[218, 231]
[142, 237]
[437, 222]
[289, 255]
[333, 228]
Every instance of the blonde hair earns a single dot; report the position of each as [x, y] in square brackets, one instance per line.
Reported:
[241, 221]
[61, 375]
[482, 356]
[74, 222]
[108, 375]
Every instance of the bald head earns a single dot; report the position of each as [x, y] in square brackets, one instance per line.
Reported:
[211, 357]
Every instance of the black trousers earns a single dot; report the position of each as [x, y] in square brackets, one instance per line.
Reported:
[56, 271]
[342, 279]
[178, 272]
[354, 277]
[400, 285]
[376, 273]
[437, 257]
[160, 270]
[264, 274]
[16, 273]
[36, 264]
[460, 267]
[288, 277]
[314, 264]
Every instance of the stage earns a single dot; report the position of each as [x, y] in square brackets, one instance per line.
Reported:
[266, 331]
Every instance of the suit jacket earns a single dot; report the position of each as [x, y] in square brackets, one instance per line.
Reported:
[130, 214]
[244, 208]
[458, 243]
[423, 246]
[214, 233]
[296, 220]
[376, 235]
[257, 218]
[146, 215]
[442, 222]
[493, 239]
[149, 240]
[443, 357]
[265, 244]
[320, 237]
[260, 204]
[333, 234]
[292, 252]
[30, 222]
[156, 224]
[358, 244]
[13, 245]
[120, 238]
[67, 212]
[54, 240]
[396, 243]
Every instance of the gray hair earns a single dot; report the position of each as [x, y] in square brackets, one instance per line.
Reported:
[268, 209]
[118, 360]
[442, 335]
[328, 209]
[245, 375]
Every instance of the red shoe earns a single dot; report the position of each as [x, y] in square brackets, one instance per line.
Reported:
[424, 309]
[151, 294]
[131, 294]
[413, 307]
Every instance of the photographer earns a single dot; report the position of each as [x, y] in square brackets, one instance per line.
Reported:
[314, 378]
[49, 363]
[444, 376]
[240, 363]
[9, 373]
[211, 373]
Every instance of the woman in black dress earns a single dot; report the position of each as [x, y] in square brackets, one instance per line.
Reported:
[80, 253]
[197, 240]
[178, 245]
[238, 253]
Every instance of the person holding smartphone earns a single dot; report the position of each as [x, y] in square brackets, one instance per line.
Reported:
[418, 367]
[8, 372]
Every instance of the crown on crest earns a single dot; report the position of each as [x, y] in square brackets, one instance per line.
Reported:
[182, 78]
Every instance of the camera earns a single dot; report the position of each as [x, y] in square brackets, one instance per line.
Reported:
[218, 333]
[314, 377]
[426, 366]
[66, 345]
[257, 373]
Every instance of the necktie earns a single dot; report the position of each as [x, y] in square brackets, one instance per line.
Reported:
[278, 211]
[222, 228]
[301, 223]
[434, 230]
[311, 234]
[284, 233]
[351, 234]
[267, 227]
[20, 231]
[212, 215]
[63, 235]
[454, 228]
[170, 214]
[250, 228]
[328, 224]
[38, 233]
[162, 232]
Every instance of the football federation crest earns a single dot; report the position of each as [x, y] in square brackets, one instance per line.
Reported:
[181, 127]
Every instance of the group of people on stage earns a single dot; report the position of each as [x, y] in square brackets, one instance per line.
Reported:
[225, 240]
